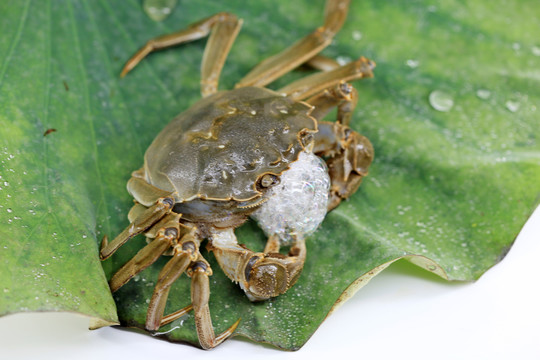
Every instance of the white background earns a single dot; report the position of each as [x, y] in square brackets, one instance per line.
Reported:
[402, 313]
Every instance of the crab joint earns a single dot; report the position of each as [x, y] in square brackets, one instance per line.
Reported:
[168, 202]
[199, 266]
[171, 233]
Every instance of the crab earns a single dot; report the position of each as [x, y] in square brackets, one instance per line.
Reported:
[245, 152]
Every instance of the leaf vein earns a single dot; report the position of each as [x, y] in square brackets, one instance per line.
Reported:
[14, 44]
[89, 115]
[108, 66]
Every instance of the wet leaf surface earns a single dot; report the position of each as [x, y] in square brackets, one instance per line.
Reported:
[451, 113]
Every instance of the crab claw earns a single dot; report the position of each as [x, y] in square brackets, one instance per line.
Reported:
[348, 168]
[348, 156]
[261, 275]
[270, 275]
[266, 277]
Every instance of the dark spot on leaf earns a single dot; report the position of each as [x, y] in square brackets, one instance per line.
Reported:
[48, 131]
[66, 85]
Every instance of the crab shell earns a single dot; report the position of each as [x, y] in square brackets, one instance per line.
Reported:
[213, 156]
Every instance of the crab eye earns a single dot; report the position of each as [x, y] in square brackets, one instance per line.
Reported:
[268, 180]
[346, 133]
[306, 139]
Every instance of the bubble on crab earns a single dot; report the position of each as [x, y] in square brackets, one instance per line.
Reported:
[298, 204]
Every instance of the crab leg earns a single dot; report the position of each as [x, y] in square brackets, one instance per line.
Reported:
[145, 220]
[222, 27]
[176, 315]
[165, 234]
[322, 63]
[300, 52]
[200, 294]
[142, 191]
[272, 245]
[144, 258]
[217, 48]
[203, 321]
[343, 96]
[347, 153]
[313, 84]
[184, 254]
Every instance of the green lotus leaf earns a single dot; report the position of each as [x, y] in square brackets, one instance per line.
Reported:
[451, 113]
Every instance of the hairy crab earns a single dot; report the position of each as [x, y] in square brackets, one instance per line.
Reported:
[245, 152]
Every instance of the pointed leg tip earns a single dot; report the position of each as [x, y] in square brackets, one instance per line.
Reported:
[227, 333]
[175, 315]
[235, 325]
[126, 69]
[104, 243]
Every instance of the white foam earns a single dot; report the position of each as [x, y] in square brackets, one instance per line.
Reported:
[298, 204]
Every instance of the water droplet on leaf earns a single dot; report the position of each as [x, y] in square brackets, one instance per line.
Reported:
[483, 94]
[413, 64]
[441, 101]
[512, 106]
[158, 10]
